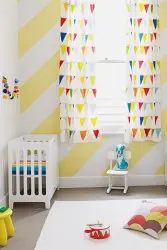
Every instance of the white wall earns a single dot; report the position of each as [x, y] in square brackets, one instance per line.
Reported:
[9, 109]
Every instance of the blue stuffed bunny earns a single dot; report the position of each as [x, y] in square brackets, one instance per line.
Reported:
[121, 163]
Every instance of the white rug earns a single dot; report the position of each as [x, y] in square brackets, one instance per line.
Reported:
[66, 222]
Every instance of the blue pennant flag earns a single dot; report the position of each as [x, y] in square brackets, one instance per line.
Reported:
[129, 106]
[60, 78]
[131, 20]
[158, 131]
[140, 36]
[141, 79]
[155, 23]
[130, 62]
[141, 120]
[63, 35]
[154, 63]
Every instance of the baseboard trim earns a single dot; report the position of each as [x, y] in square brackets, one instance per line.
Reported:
[3, 200]
[102, 181]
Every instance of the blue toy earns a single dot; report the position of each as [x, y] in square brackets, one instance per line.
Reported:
[121, 163]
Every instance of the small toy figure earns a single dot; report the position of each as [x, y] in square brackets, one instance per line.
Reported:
[121, 163]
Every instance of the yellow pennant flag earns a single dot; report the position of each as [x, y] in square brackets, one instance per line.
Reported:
[91, 37]
[134, 63]
[134, 22]
[94, 121]
[61, 91]
[135, 36]
[128, 7]
[134, 118]
[70, 66]
[151, 23]
[135, 78]
[69, 107]
[135, 49]
[132, 106]
[80, 66]
[82, 78]
[66, 6]
[80, 107]
[151, 66]
[158, 63]
[142, 49]
[63, 48]
[72, 8]
[144, 37]
[151, 106]
[141, 7]
[142, 132]
[141, 92]
[145, 120]
[82, 121]
[92, 79]
[69, 37]
[145, 79]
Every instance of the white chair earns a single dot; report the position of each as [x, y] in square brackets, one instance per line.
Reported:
[111, 172]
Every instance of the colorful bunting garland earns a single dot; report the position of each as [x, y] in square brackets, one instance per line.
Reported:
[143, 87]
[77, 81]
[7, 93]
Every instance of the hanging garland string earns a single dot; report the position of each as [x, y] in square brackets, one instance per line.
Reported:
[7, 93]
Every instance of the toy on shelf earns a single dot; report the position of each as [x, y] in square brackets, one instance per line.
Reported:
[97, 231]
[6, 225]
[7, 93]
[121, 162]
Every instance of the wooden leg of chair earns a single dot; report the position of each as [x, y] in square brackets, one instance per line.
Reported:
[3, 233]
[110, 184]
[9, 226]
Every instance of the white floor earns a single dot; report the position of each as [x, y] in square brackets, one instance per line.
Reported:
[66, 222]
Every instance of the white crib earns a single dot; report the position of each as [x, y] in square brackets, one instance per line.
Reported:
[33, 169]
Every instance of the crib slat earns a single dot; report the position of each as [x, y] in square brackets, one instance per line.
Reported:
[25, 170]
[17, 172]
[39, 172]
[32, 173]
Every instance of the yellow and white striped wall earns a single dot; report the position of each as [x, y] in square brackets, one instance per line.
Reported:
[82, 164]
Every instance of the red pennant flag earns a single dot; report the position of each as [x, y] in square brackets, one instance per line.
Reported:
[86, 21]
[68, 50]
[83, 134]
[92, 7]
[62, 21]
[131, 77]
[94, 92]
[146, 48]
[139, 21]
[146, 90]
[155, 35]
[140, 105]
[75, 35]
[129, 119]
[146, 6]
[147, 130]
[140, 63]
[134, 132]
[67, 90]
[151, 37]
[156, 118]
[69, 121]
[60, 63]
[93, 49]
[96, 133]
[151, 78]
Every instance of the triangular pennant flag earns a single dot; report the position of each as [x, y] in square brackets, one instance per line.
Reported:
[146, 6]
[134, 132]
[128, 7]
[141, 92]
[70, 66]
[154, 63]
[135, 49]
[140, 105]
[155, 23]
[94, 92]
[146, 48]
[130, 62]
[129, 119]
[92, 7]
[155, 35]
[66, 5]
[63, 48]
[131, 77]
[71, 92]
[140, 36]
[61, 91]
[69, 120]
[139, 21]
[135, 90]
[82, 78]
[145, 38]
[60, 63]
[74, 36]
[151, 106]
[156, 89]
[86, 22]
[158, 63]
[146, 90]
[142, 49]
[71, 132]
[145, 106]
[147, 130]
[127, 49]
[133, 63]
[83, 92]
[94, 121]
[145, 120]
[151, 78]
[68, 50]
[151, 23]
[141, 120]
[60, 78]
[96, 133]
[93, 49]
[145, 80]
[80, 66]
[151, 37]
[135, 78]
[80, 107]
[86, 38]
[83, 49]
[129, 107]
[142, 133]
[62, 21]
[134, 118]
[82, 121]
[92, 79]
[151, 66]
[131, 21]
[141, 7]
[73, 7]
[152, 8]
[140, 64]
[67, 91]
[156, 118]
[158, 131]
[133, 106]
[141, 79]
[63, 35]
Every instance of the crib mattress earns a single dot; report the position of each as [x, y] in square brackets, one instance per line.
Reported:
[30, 171]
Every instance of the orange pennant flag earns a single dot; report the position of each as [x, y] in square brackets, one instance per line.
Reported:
[134, 132]
[83, 134]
